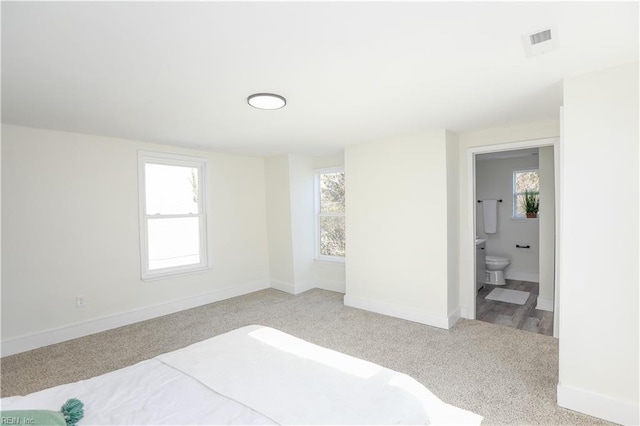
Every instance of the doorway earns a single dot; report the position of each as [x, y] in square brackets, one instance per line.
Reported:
[508, 191]
[527, 297]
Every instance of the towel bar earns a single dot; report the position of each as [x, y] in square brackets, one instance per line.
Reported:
[483, 200]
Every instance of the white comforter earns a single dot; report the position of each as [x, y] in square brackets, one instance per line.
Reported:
[252, 375]
[148, 393]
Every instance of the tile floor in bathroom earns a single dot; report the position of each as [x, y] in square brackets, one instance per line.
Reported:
[524, 317]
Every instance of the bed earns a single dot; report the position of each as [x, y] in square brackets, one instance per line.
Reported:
[252, 375]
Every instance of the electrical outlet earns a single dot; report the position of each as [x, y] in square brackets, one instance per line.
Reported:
[80, 302]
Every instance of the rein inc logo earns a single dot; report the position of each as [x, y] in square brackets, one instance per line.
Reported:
[17, 420]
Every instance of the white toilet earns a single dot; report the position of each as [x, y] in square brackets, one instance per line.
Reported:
[495, 269]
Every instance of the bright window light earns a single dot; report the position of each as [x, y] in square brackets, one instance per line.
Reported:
[330, 214]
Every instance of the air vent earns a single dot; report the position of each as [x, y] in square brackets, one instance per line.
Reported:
[540, 37]
[539, 42]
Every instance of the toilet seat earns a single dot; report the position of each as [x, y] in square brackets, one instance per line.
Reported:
[496, 259]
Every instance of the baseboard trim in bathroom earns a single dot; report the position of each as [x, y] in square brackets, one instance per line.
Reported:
[522, 276]
[544, 304]
[510, 296]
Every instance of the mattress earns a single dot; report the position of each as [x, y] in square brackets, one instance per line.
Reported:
[252, 375]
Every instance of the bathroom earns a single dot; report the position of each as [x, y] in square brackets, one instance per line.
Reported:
[515, 253]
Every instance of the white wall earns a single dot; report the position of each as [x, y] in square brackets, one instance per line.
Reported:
[0, 219]
[302, 221]
[279, 223]
[70, 227]
[546, 217]
[453, 237]
[599, 275]
[494, 180]
[468, 141]
[396, 201]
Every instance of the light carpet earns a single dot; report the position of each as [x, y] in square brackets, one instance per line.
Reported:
[507, 295]
[508, 376]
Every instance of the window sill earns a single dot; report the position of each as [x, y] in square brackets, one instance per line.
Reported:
[525, 219]
[328, 259]
[155, 276]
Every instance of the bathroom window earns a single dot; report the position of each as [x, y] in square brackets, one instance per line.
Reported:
[330, 218]
[172, 214]
[523, 181]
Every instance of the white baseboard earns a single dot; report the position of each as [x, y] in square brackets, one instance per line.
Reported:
[544, 304]
[298, 288]
[454, 317]
[301, 287]
[337, 286]
[283, 286]
[522, 276]
[397, 311]
[50, 337]
[604, 407]
[465, 312]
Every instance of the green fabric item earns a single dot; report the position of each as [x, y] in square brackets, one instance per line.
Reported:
[33, 418]
[72, 410]
[69, 414]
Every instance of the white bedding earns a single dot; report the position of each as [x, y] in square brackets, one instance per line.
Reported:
[147, 393]
[252, 375]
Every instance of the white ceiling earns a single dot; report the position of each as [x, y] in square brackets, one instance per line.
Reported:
[180, 73]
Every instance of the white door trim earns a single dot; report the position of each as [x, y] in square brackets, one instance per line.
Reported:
[470, 287]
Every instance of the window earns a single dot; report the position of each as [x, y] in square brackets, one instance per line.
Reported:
[173, 214]
[524, 180]
[330, 220]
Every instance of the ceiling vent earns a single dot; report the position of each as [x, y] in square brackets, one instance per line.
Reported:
[539, 42]
[540, 37]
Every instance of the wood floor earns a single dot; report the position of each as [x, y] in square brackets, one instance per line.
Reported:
[524, 317]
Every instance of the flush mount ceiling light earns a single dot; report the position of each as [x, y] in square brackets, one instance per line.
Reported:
[266, 101]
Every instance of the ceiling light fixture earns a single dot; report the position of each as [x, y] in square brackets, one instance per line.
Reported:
[266, 101]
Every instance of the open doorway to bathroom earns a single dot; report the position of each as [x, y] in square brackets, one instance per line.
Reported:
[515, 245]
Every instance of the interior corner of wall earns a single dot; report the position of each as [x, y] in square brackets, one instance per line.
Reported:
[450, 135]
[283, 286]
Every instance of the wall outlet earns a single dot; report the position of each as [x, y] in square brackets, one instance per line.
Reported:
[80, 302]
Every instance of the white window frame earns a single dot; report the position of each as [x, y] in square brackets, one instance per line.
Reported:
[318, 215]
[148, 157]
[514, 207]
